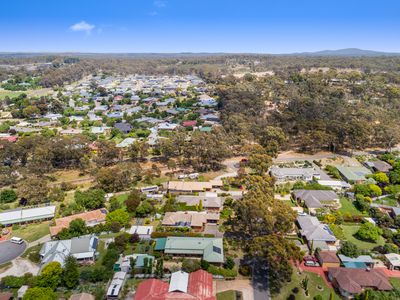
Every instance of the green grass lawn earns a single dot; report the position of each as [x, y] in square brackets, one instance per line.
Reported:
[390, 201]
[395, 282]
[11, 94]
[350, 230]
[347, 207]
[313, 283]
[32, 232]
[227, 295]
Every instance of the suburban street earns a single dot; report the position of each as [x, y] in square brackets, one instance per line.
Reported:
[260, 282]
[10, 251]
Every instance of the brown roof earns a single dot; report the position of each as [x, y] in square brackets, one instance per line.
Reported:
[189, 186]
[328, 257]
[6, 296]
[82, 296]
[355, 280]
[190, 218]
[91, 218]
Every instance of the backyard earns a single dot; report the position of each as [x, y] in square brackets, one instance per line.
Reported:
[316, 286]
[350, 230]
[347, 208]
[227, 295]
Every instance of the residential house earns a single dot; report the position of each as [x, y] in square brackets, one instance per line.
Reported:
[189, 123]
[379, 166]
[167, 126]
[124, 262]
[82, 248]
[125, 128]
[91, 218]
[126, 143]
[100, 130]
[335, 184]
[116, 285]
[188, 186]
[314, 199]
[209, 203]
[360, 262]
[209, 249]
[393, 261]
[6, 296]
[351, 282]
[71, 131]
[328, 259]
[144, 232]
[25, 215]
[195, 220]
[197, 285]
[313, 231]
[294, 174]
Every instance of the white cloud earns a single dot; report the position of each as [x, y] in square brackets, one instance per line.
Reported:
[153, 13]
[160, 3]
[83, 26]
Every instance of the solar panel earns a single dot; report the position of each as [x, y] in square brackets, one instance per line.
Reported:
[217, 249]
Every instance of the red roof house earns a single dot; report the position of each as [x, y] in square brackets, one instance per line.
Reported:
[11, 138]
[183, 286]
[350, 281]
[189, 123]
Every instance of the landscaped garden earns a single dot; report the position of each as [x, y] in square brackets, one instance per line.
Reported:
[316, 286]
[349, 232]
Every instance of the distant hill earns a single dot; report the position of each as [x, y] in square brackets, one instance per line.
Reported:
[346, 52]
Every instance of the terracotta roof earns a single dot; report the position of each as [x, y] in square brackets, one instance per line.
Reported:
[200, 287]
[355, 280]
[328, 257]
[91, 218]
[6, 296]
[188, 218]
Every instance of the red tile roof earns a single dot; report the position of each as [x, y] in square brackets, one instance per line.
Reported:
[189, 123]
[200, 287]
[11, 139]
[91, 218]
[328, 257]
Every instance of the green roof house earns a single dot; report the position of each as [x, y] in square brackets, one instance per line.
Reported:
[354, 174]
[210, 249]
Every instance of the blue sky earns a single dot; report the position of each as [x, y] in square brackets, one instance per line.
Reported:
[279, 26]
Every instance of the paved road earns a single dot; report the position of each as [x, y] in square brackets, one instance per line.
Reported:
[10, 251]
[260, 281]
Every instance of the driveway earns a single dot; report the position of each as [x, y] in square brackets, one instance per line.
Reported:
[260, 281]
[10, 251]
[20, 266]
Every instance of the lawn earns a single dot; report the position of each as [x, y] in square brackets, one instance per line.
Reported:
[389, 200]
[347, 207]
[350, 230]
[227, 295]
[31, 232]
[11, 94]
[395, 282]
[313, 283]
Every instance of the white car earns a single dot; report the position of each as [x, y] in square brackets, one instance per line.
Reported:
[16, 240]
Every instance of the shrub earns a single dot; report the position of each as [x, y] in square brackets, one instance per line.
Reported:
[8, 196]
[245, 270]
[295, 290]
[369, 232]
[222, 272]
